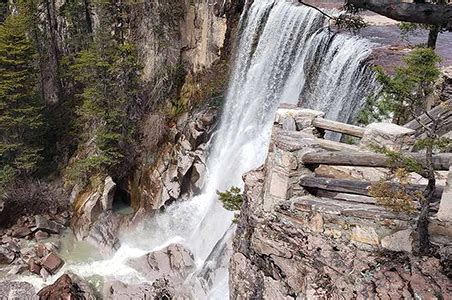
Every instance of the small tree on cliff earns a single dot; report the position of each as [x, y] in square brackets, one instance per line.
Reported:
[20, 104]
[232, 199]
[404, 96]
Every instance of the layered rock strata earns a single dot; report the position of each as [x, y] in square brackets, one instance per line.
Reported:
[291, 244]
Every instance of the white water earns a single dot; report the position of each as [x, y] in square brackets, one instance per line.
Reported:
[285, 54]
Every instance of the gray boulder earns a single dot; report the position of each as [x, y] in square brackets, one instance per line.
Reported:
[174, 262]
[48, 226]
[17, 290]
[104, 233]
[6, 255]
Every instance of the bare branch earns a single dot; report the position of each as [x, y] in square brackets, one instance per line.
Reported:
[317, 9]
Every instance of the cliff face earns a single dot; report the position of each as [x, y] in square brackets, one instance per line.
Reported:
[184, 48]
[290, 244]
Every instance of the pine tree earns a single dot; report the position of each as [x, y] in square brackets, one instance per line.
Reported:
[109, 74]
[20, 104]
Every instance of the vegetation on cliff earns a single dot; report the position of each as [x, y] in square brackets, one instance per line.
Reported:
[405, 96]
[21, 120]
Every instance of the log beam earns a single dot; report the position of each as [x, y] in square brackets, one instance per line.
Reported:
[338, 127]
[441, 162]
[357, 187]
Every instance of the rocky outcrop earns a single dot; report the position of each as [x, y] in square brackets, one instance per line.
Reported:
[176, 171]
[179, 170]
[68, 286]
[291, 244]
[173, 263]
[159, 289]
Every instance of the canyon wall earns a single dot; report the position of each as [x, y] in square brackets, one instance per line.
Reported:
[185, 49]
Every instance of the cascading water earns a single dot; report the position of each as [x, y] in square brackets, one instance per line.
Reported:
[285, 54]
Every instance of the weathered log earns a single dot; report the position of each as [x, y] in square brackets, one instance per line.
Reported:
[425, 13]
[346, 197]
[357, 187]
[338, 127]
[444, 110]
[336, 146]
[441, 161]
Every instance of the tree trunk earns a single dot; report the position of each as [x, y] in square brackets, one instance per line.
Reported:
[422, 225]
[424, 13]
[433, 37]
[89, 24]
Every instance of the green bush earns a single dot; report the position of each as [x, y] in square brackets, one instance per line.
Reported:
[232, 200]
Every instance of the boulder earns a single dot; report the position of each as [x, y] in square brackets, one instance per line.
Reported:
[6, 256]
[33, 266]
[174, 262]
[52, 262]
[108, 193]
[48, 226]
[400, 241]
[41, 235]
[390, 135]
[21, 232]
[68, 286]
[17, 290]
[41, 250]
[104, 233]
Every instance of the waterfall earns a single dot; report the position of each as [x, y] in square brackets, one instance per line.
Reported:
[285, 53]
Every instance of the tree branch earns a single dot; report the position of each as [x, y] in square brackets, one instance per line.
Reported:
[424, 13]
[317, 9]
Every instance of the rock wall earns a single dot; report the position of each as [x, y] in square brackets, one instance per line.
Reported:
[178, 169]
[183, 47]
[293, 245]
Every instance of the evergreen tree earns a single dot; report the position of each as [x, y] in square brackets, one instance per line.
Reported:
[108, 72]
[20, 104]
[404, 95]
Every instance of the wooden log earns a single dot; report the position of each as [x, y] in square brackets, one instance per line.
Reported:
[441, 161]
[435, 112]
[338, 127]
[346, 197]
[336, 146]
[357, 187]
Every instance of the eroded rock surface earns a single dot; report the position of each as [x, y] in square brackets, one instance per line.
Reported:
[17, 290]
[293, 245]
[68, 286]
[174, 262]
